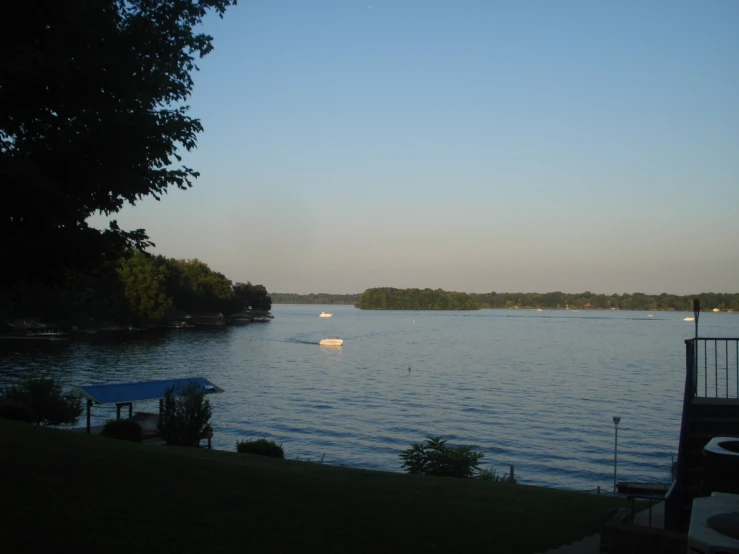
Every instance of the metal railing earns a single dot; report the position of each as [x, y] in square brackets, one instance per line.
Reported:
[711, 371]
[715, 367]
[652, 500]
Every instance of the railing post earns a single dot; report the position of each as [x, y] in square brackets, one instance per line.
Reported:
[89, 407]
[674, 499]
[691, 368]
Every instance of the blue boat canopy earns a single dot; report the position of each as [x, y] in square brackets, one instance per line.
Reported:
[145, 390]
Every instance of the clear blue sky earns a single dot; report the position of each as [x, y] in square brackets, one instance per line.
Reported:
[466, 145]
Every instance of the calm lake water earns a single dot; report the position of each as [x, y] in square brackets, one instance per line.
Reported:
[534, 389]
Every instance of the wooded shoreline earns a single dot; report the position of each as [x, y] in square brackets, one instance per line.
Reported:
[426, 299]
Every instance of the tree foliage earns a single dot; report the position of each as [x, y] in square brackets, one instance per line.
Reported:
[415, 299]
[251, 296]
[139, 288]
[185, 415]
[46, 400]
[92, 117]
[590, 301]
[196, 288]
[320, 298]
[434, 457]
[144, 281]
[16, 411]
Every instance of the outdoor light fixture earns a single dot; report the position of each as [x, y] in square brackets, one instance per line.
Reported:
[696, 313]
[616, 421]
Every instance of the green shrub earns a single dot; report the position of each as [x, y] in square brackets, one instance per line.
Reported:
[492, 475]
[16, 411]
[185, 416]
[123, 429]
[261, 447]
[46, 400]
[434, 457]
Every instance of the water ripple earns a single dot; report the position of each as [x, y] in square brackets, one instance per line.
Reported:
[536, 390]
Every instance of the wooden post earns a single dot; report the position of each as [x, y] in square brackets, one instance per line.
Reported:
[89, 405]
[598, 489]
[130, 410]
[118, 411]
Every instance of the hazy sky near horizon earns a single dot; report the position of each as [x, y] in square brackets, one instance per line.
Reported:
[468, 145]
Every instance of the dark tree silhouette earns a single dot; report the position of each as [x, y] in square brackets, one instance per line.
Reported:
[92, 116]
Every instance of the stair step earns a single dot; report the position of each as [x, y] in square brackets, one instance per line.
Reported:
[708, 434]
[714, 419]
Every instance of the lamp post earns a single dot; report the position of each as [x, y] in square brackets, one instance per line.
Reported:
[696, 313]
[616, 421]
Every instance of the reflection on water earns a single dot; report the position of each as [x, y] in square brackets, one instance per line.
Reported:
[533, 389]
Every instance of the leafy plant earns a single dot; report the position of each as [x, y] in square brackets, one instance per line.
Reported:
[123, 429]
[46, 400]
[434, 457]
[185, 416]
[16, 411]
[492, 475]
[260, 447]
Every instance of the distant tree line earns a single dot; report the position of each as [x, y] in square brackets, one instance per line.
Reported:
[320, 298]
[589, 301]
[415, 299]
[427, 299]
[135, 289]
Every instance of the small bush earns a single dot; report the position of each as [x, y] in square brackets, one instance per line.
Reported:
[123, 429]
[185, 416]
[434, 457]
[492, 475]
[46, 400]
[261, 447]
[16, 411]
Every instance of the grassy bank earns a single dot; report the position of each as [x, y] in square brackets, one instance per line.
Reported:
[69, 492]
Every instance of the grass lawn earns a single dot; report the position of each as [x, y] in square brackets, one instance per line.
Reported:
[69, 492]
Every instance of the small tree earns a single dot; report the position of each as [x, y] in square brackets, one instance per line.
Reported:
[16, 411]
[46, 400]
[185, 416]
[434, 457]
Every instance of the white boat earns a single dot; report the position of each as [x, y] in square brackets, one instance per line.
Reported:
[688, 319]
[650, 315]
[331, 341]
[324, 314]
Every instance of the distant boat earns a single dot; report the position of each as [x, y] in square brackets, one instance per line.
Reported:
[324, 314]
[331, 341]
[650, 315]
[688, 319]
[40, 334]
[538, 309]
